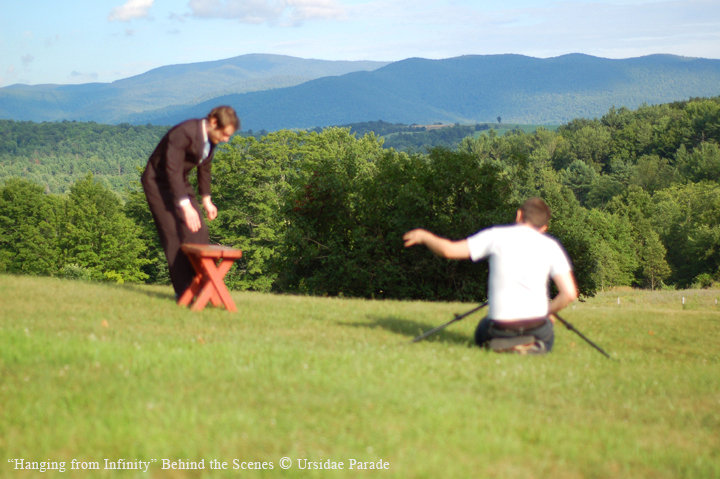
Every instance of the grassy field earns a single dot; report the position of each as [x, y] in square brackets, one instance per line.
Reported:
[96, 372]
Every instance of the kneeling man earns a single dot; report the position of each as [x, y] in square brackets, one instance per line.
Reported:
[522, 260]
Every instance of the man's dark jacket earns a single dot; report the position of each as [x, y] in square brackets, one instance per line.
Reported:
[179, 151]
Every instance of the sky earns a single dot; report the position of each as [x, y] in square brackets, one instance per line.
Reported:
[82, 41]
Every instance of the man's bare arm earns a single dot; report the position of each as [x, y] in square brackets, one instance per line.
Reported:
[442, 247]
[567, 291]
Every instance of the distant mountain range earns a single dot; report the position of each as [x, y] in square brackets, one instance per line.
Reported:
[272, 92]
[168, 86]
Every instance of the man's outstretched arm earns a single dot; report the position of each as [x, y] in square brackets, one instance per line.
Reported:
[442, 247]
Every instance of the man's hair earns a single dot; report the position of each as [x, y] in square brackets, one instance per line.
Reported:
[225, 115]
[535, 212]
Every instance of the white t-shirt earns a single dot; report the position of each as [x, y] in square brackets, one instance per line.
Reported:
[522, 261]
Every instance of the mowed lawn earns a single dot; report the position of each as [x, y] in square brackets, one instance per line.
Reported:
[93, 372]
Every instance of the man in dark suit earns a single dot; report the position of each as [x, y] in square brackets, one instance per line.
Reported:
[171, 198]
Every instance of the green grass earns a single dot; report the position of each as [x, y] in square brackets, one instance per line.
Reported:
[95, 371]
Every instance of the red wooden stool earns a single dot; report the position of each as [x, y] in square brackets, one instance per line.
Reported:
[211, 263]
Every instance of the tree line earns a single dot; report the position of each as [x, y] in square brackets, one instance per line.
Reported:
[413, 138]
[57, 154]
[634, 194]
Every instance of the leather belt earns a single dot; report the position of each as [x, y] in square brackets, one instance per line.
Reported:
[524, 324]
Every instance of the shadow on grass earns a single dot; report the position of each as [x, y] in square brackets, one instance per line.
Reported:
[137, 288]
[411, 329]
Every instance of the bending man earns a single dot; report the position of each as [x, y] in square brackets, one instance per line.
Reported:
[172, 201]
[522, 261]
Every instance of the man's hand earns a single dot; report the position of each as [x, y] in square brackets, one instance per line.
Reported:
[210, 208]
[414, 237]
[192, 218]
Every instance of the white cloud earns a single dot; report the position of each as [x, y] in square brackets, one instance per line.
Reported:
[315, 9]
[130, 10]
[283, 12]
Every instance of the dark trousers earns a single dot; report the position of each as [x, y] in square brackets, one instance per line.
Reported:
[174, 232]
[485, 332]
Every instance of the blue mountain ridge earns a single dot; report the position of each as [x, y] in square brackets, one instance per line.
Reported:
[465, 89]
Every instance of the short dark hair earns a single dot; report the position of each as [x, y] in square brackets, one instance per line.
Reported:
[535, 212]
[225, 115]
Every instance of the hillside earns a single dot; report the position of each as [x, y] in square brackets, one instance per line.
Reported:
[165, 86]
[56, 154]
[472, 89]
[94, 371]
[636, 196]
[275, 92]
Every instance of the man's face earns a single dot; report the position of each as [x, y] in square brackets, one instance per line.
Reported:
[219, 135]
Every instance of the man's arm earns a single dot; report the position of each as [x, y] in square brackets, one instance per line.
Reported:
[190, 215]
[567, 291]
[440, 246]
[210, 208]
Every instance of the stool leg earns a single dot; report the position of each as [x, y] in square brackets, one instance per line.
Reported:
[219, 284]
[192, 290]
[204, 296]
[214, 296]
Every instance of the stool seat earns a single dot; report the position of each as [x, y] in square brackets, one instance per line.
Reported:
[211, 263]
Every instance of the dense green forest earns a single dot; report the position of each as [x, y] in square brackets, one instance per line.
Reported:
[56, 155]
[635, 199]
